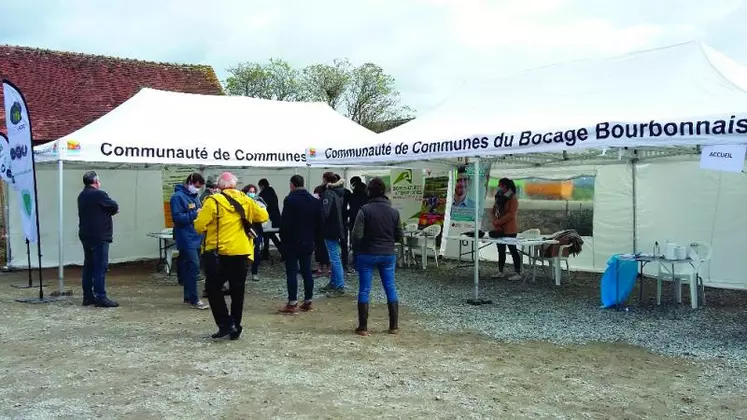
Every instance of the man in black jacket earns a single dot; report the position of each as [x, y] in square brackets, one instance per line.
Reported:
[95, 230]
[301, 219]
[270, 197]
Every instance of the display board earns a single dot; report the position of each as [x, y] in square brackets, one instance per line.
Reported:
[171, 176]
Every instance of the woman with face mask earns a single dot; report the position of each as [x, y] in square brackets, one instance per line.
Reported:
[506, 225]
[251, 191]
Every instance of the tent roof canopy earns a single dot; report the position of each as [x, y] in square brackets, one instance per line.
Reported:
[170, 128]
[681, 84]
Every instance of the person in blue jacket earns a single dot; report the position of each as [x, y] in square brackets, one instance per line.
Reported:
[185, 205]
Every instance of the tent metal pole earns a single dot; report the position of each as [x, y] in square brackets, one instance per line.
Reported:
[476, 242]
[6, 219]
[634, 174]
[308, 176]
[61, 256]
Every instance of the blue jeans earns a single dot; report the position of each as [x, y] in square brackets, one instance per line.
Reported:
[293, 265]
[95, 263]
[188, 271]
[337, 275]
[365, 264]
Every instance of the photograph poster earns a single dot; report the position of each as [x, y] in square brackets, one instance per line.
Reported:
[433, 207]
[464, 199]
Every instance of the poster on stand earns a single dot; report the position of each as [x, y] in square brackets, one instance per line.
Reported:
[464, 200]
[433, 207]
[407, 192]
[170, 177]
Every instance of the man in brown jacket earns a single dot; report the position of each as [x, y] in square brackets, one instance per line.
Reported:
[506, 225]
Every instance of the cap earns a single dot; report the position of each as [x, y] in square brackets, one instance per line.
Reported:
[211, 182]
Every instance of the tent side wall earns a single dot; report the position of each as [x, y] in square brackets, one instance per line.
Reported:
[133, 189]
[682, 203]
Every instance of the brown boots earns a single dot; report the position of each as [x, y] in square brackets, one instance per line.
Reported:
[363, 318]
[393, 317]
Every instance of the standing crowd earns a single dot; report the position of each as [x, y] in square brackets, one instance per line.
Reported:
[225, 232]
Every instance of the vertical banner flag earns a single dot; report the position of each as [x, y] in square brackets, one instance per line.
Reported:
[5, 173]
[725, 157]
[407, 192]
[21, 157]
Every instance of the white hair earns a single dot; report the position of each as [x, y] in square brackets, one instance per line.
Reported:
[227, 180]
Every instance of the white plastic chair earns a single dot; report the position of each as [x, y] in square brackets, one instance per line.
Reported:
[410, 242]
[430, 232]
[699, 253]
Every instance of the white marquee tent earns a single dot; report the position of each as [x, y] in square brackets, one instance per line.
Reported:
[130, 145]
[668, 103]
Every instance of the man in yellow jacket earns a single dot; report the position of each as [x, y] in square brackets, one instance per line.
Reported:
[227, 250]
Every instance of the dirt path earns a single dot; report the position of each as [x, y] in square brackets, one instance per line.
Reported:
[151, 358]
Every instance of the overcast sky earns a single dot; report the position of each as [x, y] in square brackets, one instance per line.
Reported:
[429, 46]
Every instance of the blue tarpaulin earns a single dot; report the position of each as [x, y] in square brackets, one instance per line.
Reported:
[618, 280]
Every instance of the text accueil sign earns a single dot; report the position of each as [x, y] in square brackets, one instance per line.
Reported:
[604, 134]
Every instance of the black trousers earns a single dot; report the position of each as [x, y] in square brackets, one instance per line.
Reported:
[231, 269]
[266, 246]
[514, 254]
[344, 249]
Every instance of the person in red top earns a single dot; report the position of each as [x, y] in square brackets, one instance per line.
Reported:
[506, 225]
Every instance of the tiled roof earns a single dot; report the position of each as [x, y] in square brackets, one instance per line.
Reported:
[66, 91]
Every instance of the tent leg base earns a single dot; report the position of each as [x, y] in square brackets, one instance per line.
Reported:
[478, 301]
[26, 286]
[36, 300]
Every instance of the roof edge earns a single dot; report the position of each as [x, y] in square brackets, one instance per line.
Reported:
[45, 51]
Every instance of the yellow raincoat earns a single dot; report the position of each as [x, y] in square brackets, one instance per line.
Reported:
[222, 225]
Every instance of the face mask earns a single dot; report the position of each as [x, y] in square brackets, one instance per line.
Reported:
[252, 195]
[192, 189]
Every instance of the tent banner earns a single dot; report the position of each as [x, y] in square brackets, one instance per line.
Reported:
[717, 129]
[21, 157]
[407, 192]
[727, 158]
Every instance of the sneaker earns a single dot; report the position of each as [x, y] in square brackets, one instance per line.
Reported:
[306, 306]
[255, 277]
[498, 276]
[516, 277]
[200, 305]
[338, 292]
[106, 303]
[289, 309]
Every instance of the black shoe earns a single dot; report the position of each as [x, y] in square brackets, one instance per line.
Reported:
[106, 303]
[88, 301]
[224, 332]
[237, 334]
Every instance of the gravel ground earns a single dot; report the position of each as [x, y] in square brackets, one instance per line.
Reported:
[570, 314]
[152, 358]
